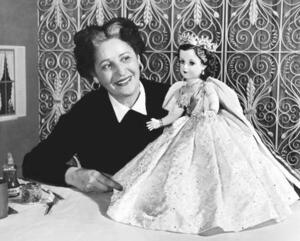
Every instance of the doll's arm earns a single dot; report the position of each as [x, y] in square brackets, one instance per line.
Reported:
[213, 98]
[213, 102]
[173, 115]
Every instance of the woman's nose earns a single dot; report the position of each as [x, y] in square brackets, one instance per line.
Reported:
[120, 69]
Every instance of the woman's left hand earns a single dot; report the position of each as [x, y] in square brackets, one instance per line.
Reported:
[153, 124]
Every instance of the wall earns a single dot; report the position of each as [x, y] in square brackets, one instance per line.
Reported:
[18, 26]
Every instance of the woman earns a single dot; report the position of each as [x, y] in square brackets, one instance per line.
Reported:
[107, 127]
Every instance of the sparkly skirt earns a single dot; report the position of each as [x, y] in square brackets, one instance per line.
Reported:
[200, 175]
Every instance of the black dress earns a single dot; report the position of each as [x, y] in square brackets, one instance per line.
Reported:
[92, 132]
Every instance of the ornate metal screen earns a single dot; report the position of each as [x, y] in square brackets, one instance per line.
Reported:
[258, 53]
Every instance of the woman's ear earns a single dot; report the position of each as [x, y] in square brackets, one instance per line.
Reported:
[96, 83]
[139, 59]
[140, 63]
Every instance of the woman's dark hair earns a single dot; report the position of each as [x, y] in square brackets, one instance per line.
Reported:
[206, 57]
[88, 38]
[84, 50]
[127, 31]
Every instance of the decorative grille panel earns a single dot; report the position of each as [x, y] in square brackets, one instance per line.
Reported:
[258, 53]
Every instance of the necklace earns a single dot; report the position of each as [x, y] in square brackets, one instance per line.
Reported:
[194, 82]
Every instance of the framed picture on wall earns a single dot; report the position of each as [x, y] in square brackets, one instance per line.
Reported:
[12, 82]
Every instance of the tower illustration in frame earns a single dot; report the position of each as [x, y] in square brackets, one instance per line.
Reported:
[12, 82]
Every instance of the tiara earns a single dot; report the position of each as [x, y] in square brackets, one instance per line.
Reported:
[193, 39]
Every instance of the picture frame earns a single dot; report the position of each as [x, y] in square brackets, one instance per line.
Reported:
[12, 82]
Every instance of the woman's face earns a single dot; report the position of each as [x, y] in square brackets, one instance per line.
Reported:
[190, 64]
[117, 69]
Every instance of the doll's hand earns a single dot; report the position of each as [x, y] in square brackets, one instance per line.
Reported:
[153, 124]
[210, 115]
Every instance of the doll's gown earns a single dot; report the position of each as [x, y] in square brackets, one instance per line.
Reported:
[202, 173]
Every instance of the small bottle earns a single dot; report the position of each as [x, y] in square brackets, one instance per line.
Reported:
[10, 176]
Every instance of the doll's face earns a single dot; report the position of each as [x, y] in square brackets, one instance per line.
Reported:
[190, 64]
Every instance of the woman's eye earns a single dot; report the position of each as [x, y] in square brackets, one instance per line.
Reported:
[106, 66]
[192, 63]
[125, 58]
[181, 62]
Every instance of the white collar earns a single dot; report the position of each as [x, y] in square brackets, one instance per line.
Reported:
[121, 110]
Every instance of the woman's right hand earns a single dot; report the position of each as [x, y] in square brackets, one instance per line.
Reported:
[88, 180]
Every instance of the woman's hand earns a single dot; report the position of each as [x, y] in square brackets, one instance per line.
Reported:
[154, 124]
[87, 180]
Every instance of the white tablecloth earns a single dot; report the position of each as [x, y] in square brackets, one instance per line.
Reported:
[81, 217]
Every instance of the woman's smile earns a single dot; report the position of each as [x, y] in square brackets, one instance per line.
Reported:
[123, 81]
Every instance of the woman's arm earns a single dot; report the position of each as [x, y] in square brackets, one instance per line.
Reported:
[47, 161]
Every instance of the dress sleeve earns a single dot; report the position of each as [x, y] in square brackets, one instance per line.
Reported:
[48, 161]
[172, 96]
[212, 96]
[227, 97]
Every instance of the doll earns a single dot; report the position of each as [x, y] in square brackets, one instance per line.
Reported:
[209, 170]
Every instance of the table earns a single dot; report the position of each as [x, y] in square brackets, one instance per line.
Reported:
[81, 217]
